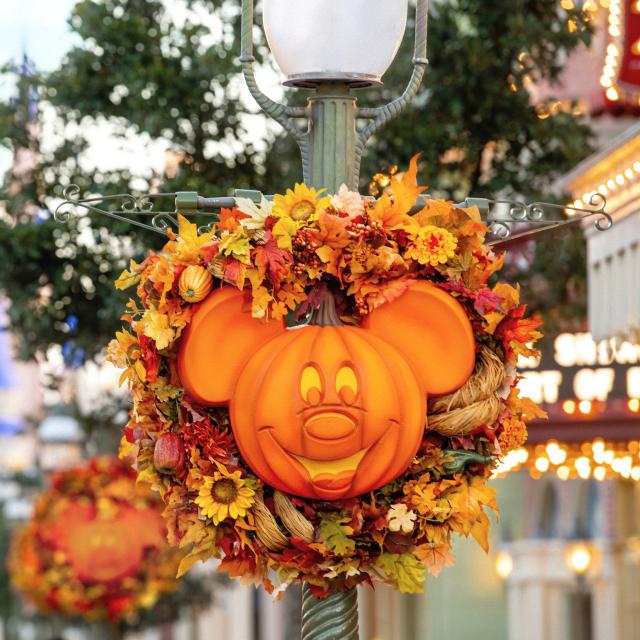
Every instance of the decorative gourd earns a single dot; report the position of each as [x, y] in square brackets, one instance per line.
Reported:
[168, 453]
[328, 411]
[195, 284]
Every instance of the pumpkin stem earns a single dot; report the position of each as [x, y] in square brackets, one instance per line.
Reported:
[326, 314]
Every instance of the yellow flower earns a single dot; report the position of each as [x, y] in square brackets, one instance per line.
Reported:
[301, 204]
[513, 434]
[224, 494]
[431, 245]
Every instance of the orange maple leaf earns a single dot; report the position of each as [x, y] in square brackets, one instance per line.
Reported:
[332, 231]
[229, 219]
[435, 557]
[405, 189]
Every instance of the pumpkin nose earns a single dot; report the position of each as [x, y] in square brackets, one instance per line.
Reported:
[330, 425]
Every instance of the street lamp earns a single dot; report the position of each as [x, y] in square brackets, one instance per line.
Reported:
[331, 47]
[320, 41]
[579, 558]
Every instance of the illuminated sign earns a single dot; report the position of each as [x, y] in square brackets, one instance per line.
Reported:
[621, 73]
[577, 369]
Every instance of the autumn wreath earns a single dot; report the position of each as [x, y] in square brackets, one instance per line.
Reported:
[95, 547]
[335, 269]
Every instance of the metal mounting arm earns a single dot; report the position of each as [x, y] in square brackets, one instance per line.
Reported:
[281, 113]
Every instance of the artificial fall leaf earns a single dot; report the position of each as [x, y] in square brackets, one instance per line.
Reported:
[229, 219]
[376, 295]
[291, 294]
[332, 231]
[405, 569]
[129, 278]
[405, 189]
[260, 302]
[387, 214]
[236, 245]
[273, 261]
[435, 557]
[509, 299]
[335, 532]
[161, 275]
[188, 245]
[480, 531]
[237, 567]
[524, 407]
[284, 230]
[235, 272]
[255, 214]
[155, 325]
[486, 301]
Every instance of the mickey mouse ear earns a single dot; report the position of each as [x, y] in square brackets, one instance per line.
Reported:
[432, 330]
[217, 344]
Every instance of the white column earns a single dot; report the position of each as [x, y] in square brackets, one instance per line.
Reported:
[537, 591]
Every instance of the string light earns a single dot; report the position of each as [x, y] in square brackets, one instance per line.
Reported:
[585, 407]
[597, 458]
[504, 565]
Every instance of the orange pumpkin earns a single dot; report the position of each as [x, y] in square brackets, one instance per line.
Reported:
[328, 412]
[106, 549]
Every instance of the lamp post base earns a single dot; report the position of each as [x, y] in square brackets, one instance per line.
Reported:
[334, 618]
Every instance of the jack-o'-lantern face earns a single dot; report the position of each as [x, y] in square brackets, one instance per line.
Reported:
[328, 412]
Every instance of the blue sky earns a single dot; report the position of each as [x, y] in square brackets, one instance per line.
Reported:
[40, 26]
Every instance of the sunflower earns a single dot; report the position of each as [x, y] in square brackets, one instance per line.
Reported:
[301, 204]
[224, 494]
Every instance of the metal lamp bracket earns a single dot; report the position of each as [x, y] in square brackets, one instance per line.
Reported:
[507, 219]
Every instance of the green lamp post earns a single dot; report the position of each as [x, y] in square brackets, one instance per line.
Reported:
[332, 47]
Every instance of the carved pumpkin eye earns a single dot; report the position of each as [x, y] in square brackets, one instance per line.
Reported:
[311, 385]
[347, 384]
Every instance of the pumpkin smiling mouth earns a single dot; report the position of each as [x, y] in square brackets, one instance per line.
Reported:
[317, 468]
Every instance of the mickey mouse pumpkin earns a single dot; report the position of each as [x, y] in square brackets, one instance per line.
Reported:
[328, 411]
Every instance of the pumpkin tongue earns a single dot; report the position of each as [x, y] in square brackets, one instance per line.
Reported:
[326, 314]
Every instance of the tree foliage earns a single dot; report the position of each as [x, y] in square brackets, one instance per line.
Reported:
[168, 73]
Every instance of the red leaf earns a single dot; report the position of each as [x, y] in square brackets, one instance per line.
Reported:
[272, 260]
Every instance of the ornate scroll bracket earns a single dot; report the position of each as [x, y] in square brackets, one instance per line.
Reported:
[141, 211]
[509, 220]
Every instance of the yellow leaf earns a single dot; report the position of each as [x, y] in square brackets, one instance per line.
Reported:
[156, 326]
[283, 231]
[335, 533]
[480, 531]
[405, 188]
[405, 571]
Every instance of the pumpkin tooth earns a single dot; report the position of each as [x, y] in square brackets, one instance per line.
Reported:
[317, 467]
